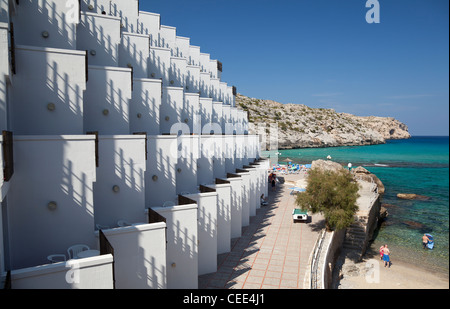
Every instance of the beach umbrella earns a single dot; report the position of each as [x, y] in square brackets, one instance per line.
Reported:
[287, 160]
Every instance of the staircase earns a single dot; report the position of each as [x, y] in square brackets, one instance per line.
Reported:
[356, 238]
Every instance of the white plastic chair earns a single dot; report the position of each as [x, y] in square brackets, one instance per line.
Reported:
[123, 223]
[101, 227]
[168, 203]
[55, 258]
[75, 249]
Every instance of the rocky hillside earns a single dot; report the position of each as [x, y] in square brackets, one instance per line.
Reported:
[300, 126]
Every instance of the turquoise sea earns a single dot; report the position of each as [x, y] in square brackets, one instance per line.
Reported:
[418, 165]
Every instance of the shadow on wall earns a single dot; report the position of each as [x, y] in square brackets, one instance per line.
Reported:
[56, 175]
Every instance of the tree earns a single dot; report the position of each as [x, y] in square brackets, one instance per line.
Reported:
[332, 193]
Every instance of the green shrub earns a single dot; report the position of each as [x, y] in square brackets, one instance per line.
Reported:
[332, 193]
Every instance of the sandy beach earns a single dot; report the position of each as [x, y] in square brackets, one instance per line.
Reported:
[371, 274]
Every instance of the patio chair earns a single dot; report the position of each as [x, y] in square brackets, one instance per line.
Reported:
[123, 223]
[75, 249]
[168, 203]
[101, 227]
[55, 258]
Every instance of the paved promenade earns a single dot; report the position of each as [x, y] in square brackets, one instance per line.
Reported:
[273, 252]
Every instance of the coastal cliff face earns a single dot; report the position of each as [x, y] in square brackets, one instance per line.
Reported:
[300, 126]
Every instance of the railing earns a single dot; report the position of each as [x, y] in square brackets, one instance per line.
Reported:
[315, 259]
[107, 248]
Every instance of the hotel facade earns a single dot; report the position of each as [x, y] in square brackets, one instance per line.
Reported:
[119, 138]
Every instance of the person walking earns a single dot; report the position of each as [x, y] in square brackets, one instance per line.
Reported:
[273, 183]
[386, 256]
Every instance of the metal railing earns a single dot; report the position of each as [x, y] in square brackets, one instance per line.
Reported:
[315, 260]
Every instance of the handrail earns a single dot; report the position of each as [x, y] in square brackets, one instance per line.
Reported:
[315, 259]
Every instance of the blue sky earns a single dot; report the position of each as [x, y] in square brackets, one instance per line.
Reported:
[323, 53]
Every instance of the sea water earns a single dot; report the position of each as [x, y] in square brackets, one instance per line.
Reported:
[417, 165]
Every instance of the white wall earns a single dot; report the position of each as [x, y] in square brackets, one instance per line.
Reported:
[230, 148]
[161, 162]
[217, 115]
[182, 47]
[121, 163]
[44, 76]
[246, 196]
[207, 231]
[171, 108]
[159, 64]
[96, 6]
[46, 169]
[145, 106]
[53, 16]
[107, 99]
[226, 115]
[204, 63]
[4, 73]
[192, 78]
[205, 84]
[205, 113]
[236, 206]
[190, 114]
[215, 89]
[168, 36]
[205, 161]
[139, 256]
[182, 248]
[128, 11]
[219, 170]
[223, 217]
[134, 52]
[186, 167]
[149, 24]
[194, 55]
[254, 189]
[89, 273]
[177, 72]
[100, 36]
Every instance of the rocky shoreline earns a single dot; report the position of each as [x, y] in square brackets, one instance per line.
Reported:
[300, 126]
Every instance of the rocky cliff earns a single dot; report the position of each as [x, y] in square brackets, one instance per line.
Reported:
[300, 126]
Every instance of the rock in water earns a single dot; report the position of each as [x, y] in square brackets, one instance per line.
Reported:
[412, 196]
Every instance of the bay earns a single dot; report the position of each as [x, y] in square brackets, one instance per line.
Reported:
[417, 165]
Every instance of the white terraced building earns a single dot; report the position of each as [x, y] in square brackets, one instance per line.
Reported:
[120, 136]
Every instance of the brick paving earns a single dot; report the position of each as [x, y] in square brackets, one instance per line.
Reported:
[273, 251]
